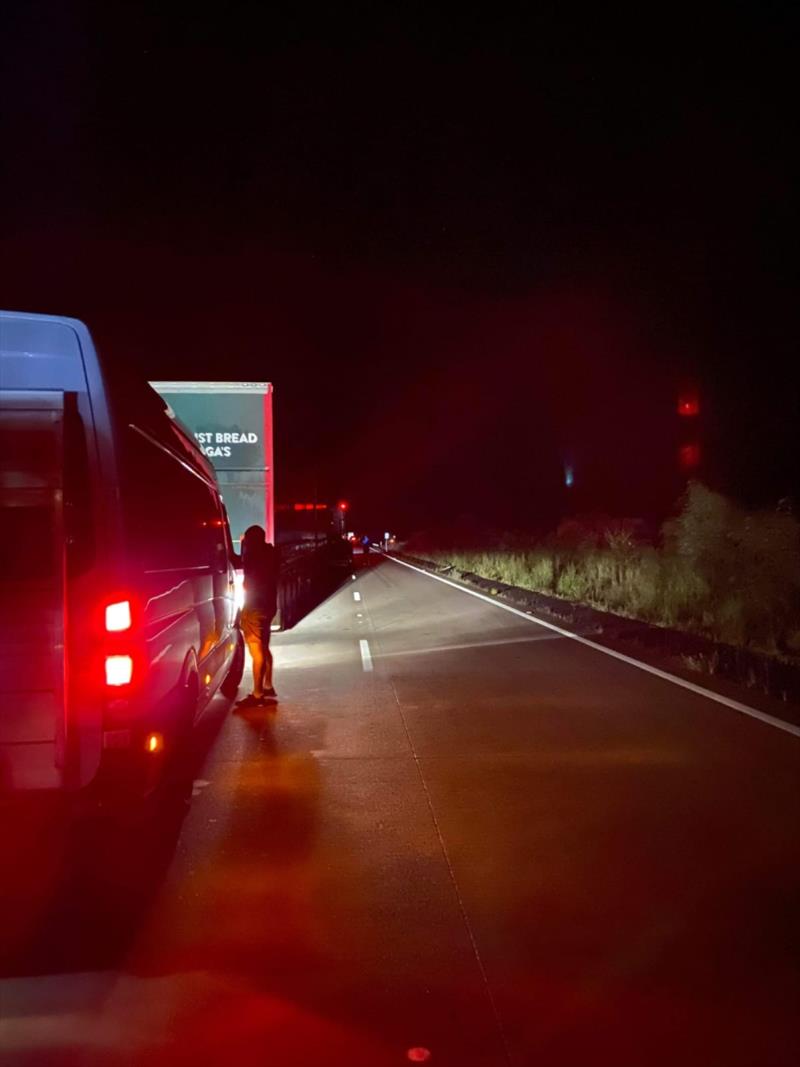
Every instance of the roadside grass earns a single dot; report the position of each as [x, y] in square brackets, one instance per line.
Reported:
[717, 570]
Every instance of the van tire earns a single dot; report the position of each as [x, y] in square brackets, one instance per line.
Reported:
[233, 679]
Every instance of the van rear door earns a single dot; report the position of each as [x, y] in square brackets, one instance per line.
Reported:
[32, 583]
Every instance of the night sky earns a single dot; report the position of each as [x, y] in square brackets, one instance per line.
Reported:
[468, 248]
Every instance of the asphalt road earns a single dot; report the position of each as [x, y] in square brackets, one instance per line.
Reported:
[458, 832]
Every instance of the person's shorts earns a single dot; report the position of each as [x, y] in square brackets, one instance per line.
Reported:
[256, 626]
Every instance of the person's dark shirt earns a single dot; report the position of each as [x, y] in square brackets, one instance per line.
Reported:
[260, 565]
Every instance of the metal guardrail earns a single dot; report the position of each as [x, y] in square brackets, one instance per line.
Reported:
[307, 576]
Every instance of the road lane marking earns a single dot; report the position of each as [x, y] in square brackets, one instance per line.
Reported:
[366, 655]
[472, 644]
[356, 595]
[718, 698]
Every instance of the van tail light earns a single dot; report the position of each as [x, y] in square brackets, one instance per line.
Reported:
[118, 617]
[119, 670]
[118, 653]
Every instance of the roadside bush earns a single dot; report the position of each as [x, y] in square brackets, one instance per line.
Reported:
[718, 570]
[749, 563]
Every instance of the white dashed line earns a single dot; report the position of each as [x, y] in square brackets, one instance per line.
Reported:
[356, 596]
[366, 655]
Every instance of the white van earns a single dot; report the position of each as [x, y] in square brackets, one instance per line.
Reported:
[117, 611]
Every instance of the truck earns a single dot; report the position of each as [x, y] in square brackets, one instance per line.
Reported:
[232, 425]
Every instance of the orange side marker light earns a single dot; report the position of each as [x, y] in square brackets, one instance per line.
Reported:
[154, 743]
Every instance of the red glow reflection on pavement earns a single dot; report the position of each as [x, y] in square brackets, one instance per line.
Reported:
[689, 456]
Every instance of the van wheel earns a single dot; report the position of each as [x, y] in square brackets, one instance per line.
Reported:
[233, 679]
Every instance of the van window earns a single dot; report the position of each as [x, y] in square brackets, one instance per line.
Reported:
[171, 514]
[27, 546]
[30, 494]
[45, 500]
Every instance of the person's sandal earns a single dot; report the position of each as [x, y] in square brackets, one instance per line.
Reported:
[250, 701]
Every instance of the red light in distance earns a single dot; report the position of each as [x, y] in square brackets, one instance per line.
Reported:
[688, 404]
[689, 456]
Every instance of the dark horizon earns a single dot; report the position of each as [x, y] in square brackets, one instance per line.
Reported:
[465, 258]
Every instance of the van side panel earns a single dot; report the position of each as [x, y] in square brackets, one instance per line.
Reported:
[180, 567]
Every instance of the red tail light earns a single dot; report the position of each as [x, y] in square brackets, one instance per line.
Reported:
[119, 670]
[118, 617]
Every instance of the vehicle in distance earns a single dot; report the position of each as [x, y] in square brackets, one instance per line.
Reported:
[117, 613]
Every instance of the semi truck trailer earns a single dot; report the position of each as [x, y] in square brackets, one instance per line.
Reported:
[232, 425]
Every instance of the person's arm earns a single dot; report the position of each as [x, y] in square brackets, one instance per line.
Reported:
[237, 556]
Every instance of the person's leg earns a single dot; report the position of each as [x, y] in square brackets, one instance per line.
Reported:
[251, 631]
[266, 634]
[266, 686]
[256, 648]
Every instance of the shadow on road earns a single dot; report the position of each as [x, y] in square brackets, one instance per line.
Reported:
[366, 560]
[302, 592]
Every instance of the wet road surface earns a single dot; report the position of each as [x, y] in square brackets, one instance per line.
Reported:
[458, 832]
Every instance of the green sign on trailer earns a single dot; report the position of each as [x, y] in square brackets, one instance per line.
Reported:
[232, 423]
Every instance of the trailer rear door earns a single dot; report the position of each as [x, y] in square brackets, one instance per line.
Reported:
[32, 571]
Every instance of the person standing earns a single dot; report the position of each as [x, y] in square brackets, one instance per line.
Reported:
[260, 565]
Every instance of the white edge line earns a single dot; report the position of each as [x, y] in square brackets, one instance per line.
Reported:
[744, 709]
[366, 655]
